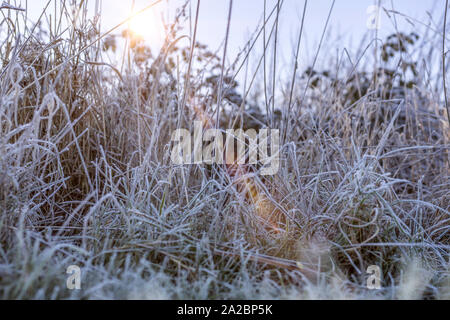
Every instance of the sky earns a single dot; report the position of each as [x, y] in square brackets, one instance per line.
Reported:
[349, 16]
[349, 20]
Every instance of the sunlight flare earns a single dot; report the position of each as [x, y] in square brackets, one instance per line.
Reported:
[147, 26]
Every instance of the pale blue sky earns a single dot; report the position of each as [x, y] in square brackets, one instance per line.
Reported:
[349, 20]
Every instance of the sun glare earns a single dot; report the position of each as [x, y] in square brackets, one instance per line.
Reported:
[147, 25]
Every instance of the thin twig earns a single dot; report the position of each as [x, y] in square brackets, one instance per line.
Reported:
[275, 60]
[443, 62]
[6, 5]
[188, 73]
[318, 49]
[220, 92]
[294, 75]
